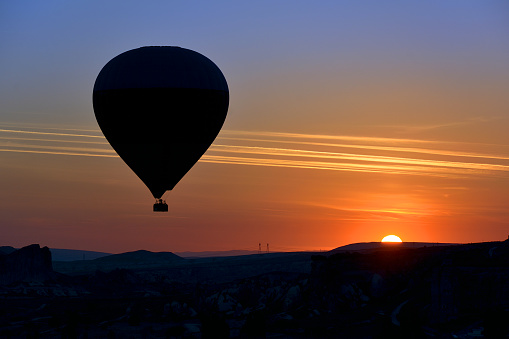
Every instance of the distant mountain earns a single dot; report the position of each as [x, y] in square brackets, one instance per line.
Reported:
[369, 246]
[6, 249]
[59, 254]
[130, 260]
[207, 254]
[140, 257]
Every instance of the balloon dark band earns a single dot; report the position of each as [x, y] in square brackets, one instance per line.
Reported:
[160, 132]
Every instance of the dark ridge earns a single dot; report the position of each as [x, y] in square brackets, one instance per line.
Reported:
[140, 256]
[6, 249]
[28, 264]
[370, 246]
[60, 254]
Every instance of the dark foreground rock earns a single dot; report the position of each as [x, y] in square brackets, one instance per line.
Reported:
[28, 264]
[390, 292]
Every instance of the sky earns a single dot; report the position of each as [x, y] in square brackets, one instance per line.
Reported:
[348, 121]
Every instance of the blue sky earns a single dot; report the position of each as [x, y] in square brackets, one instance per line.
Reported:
[53, 50]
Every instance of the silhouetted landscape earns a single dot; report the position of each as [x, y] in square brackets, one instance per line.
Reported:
[407, 290]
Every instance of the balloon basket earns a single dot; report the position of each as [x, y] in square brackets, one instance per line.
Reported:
[160, 206]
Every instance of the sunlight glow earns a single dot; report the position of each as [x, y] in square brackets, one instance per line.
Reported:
[391, 238]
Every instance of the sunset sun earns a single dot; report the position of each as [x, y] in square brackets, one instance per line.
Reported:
[391, 238]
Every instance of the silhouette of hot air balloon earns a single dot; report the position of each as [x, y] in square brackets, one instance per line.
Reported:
[160, 108]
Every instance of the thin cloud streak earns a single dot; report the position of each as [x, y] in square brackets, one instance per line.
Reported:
[351, 167]
[276, 156]
[378, 148]
[396, 211]
[327, 137]
[420, 128]
[347, 156]
[51, 133]
[56, 140]
[57, 148]
[58, 153]
[46, 127]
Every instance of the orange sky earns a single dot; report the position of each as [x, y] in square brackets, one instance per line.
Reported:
[392, 120]
[294, 191]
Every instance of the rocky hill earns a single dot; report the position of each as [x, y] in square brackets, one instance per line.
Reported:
[384, 292]
[365, 247]
[60, 254]
[28, 264]
[6, 249]
[130, 260]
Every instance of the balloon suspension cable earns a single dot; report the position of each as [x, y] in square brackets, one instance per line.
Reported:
[160, 205]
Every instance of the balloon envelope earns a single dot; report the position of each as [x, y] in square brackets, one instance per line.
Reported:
[160, 108]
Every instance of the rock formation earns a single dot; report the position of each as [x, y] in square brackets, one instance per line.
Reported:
[28, 264]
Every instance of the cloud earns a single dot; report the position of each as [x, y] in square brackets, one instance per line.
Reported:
[320, 155]
[58, 153]
[74, 135]
[291, 150]
[413, 129]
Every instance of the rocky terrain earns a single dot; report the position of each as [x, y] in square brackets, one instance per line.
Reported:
[29, 264]
[377, 291]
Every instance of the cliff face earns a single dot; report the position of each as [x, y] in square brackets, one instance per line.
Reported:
[29, 264]
[460, 290]
[450, 287]
[471, 280]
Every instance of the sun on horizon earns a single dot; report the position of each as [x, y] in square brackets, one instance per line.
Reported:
[391, 238]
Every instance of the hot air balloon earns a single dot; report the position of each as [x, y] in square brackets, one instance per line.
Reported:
[160, 108]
